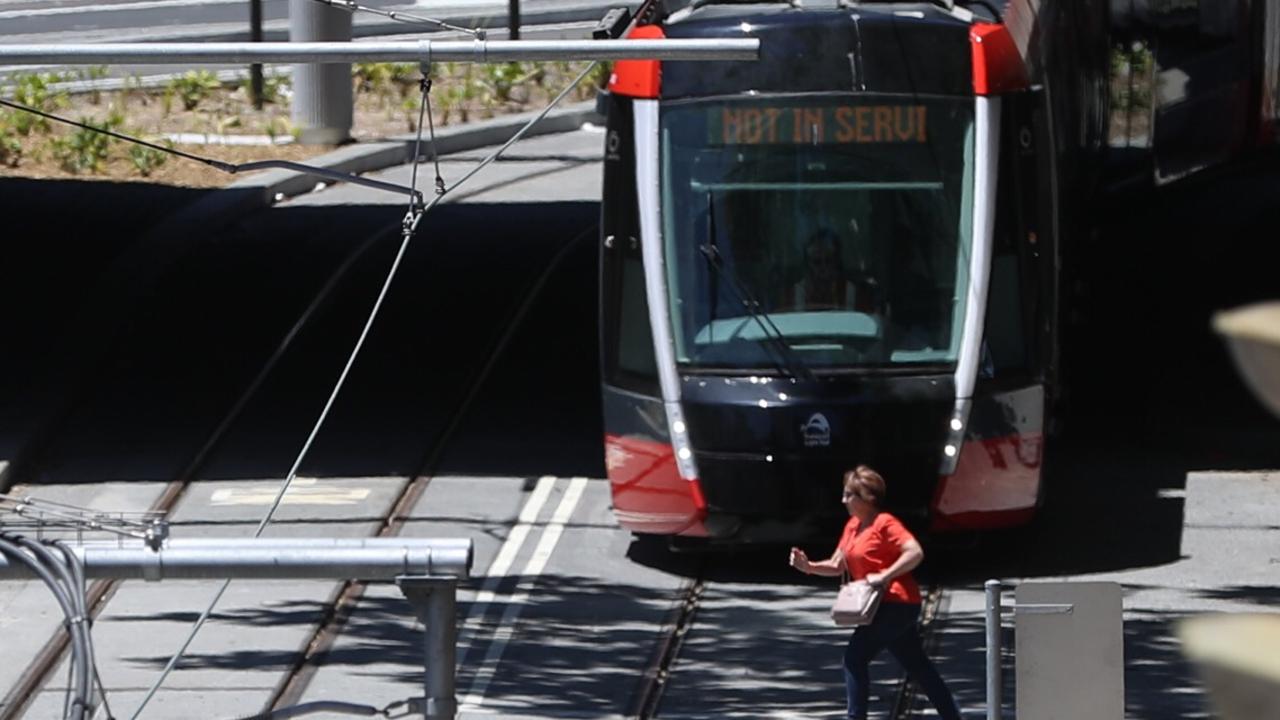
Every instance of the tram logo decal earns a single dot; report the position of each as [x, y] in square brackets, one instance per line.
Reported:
[818, 125]
[816, 431]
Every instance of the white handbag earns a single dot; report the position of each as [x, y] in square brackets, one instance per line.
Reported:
[856, 603]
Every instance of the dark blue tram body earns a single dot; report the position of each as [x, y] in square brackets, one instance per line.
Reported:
[852, 250]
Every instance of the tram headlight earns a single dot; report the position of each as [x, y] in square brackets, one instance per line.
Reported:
[954, 441]
[680, 441]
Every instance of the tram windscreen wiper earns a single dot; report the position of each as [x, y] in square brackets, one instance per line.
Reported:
[791, 365]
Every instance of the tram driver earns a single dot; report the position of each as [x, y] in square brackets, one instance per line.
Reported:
[825, 285]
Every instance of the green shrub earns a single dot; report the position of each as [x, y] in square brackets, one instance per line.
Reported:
[385, 80]
[146, 159]
[278, 127]
[455, 92]
[274, 88]
[192, 87]
[10, 145]
[500, 78]
[85, 149]
[34, 91]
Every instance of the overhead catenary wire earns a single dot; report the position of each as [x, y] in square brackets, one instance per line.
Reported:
[412, 219]
[408, 18]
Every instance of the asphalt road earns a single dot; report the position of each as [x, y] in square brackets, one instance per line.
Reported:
[1155, 485]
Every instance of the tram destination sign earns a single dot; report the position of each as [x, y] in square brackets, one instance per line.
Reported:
[818, 125]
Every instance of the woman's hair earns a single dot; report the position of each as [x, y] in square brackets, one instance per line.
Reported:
[867, 483]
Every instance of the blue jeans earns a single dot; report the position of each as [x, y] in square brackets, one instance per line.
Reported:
[894, 627]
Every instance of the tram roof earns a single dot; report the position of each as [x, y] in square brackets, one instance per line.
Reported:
[732, 8]
[898, 48]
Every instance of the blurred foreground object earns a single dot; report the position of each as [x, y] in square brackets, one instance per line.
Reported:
[1253, 334]
[1239, 658]
[1239, 655]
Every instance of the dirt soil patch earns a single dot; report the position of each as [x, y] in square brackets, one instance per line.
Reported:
[387, 102]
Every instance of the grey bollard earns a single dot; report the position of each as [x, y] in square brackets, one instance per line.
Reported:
[322, 97]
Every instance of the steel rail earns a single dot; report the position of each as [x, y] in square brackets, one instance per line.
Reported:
[342, 603]
[100, 592]
[421, 51]
[654, 680]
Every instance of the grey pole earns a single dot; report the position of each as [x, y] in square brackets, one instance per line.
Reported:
[255, 35]
[418, 51]
[434, 600]
[322, 98]
[994, 679]
[267, 559]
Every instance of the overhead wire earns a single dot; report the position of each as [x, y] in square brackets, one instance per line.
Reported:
[354, 7]
[412, 219]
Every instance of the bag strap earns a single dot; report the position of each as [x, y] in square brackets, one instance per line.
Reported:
[845, 578]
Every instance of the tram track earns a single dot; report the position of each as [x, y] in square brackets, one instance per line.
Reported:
[342, 602]
[100, 592]
[681, 620]
[677, 626]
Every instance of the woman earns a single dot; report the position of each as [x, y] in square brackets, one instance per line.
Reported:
[876, 547]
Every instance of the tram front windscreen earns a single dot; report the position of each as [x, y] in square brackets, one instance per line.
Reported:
[838, 226]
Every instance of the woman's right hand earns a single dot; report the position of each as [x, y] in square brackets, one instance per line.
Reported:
[799, 560]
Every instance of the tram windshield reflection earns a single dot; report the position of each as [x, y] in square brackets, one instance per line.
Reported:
[847, 218]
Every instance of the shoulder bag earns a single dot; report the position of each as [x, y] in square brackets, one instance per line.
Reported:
[856, 603]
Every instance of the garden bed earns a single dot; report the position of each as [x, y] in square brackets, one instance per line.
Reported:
[198, 105]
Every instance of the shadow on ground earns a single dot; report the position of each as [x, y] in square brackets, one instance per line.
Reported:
[138, 358]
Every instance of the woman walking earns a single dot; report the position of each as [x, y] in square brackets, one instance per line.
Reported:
[876, 547]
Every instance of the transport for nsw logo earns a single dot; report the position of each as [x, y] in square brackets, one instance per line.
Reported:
[816, 431]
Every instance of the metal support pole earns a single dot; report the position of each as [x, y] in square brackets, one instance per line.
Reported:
[417, 51]
[513, 19]
[255, 35]
[322, 95]
[434, 600]
[265, 558]
[995, 682]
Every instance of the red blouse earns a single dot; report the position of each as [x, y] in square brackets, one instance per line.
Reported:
[875, 549]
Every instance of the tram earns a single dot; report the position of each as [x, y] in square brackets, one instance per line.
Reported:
[854, 250]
